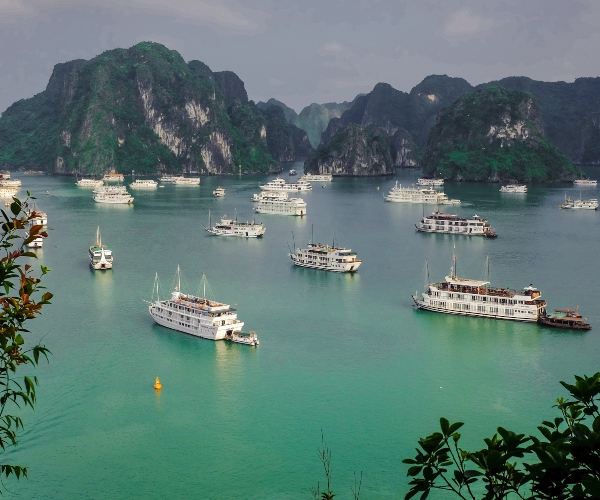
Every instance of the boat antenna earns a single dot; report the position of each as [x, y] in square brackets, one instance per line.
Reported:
[488, 268]
[178, 279]
[204, 285]
[334, 238]
[312, 227]
[454, 262]
[294, 240]
[427, 270]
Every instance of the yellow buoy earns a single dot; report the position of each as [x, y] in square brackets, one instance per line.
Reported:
[157, 384]
[377, 188]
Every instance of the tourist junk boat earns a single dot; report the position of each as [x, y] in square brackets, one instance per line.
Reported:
[277, 206]
[569, 204]
[271, 195]
[439, 222]
[585, 182]
[198, 316]
[514, 188]
[326, 258]
[168, 179]
[280, 184]
[567, 318]
[422, 181]
[89, 182]
[316, 178]
[187, 181]
[113, 178]
[399, 194]
[219, 192]
[229, 227]
[100, 256]
[468, 297]
[112, 194]
[38, 218]
[144, 184]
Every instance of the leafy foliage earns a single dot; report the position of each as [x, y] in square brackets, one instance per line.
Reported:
[18, 288]
[562, 464]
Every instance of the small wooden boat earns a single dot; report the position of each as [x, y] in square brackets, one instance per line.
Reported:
[567, 318]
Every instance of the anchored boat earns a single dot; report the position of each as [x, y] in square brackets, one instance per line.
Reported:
[566, 318]
[100, 256]
[439, 222]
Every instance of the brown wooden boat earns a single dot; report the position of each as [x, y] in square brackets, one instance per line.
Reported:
[567, 318]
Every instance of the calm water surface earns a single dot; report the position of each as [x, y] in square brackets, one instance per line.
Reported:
[344, 354]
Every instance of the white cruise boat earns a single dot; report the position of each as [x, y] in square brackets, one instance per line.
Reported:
[569, 204]
[271, 195]
[219, 192]
[167, 178]
[326, 258]
[37, 242]
[468, 297]
[229, 227]
[316, 178]
[277, 206]
[113, 178]
[514, 188]
[89, 182]
[585, 182]
[10, 183]
[399, 194]
[4, 175]
[112, 194]
[422, 181]
[144, 184]
[100, 256]
[38, 218]
[439, 222]
[196, 316]
[6, 192]
[280, 184]
[241, 338]
[187, 181]
[292, 172]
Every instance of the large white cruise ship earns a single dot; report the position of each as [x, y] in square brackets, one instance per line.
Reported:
[422, 181]
[316, 178]
[196, 316]
[273, 195]
[278, 206]
[230, 227]
[514, 188]
[585, 182]
[326, 258]
[569, 204]
[439, 222]
[467, 297]
[399, 194]
[280, 184]
[89, 182]
[144, 184]
[112, 194]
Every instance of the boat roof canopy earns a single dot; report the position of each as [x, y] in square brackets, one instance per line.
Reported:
[453, 280]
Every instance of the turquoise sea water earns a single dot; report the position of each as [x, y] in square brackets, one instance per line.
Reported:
[346, 354]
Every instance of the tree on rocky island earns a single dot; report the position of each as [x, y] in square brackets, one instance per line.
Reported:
[19, 288]
[562, 464]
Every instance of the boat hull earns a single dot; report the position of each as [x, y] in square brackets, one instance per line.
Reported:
[210, 332]
[420, 304]
[350, 267]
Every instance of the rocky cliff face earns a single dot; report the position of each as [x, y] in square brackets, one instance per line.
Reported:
[494, 134]
[286, 142]
[143, 108]
[360, 151]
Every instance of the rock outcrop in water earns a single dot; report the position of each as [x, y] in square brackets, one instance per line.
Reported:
[494, 134]
[142, 108]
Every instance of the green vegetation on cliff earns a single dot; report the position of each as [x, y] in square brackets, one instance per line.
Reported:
[494, 134]
[142, 108]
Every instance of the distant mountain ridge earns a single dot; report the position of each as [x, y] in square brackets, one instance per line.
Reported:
[142, 108]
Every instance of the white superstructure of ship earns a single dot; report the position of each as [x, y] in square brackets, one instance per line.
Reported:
[187, 181]
[422, 181]
[439, 222]
[468, 297]
[272, 195]
[399, 194]
[514, 188]
[112, 194]
[569, 204]
[585, 182]
[83, 182]
[198, 316]
[144, 184]
[7, 192]
[38, 217]
[113, 178]
[219, 192]
[100, 256]
[10, 183]
[280, 184]
[316, 178]
[326, 258]
[168, 178]
[278, 206]
[230, 227]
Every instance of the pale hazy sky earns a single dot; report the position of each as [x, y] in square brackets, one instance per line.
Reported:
[311, 50]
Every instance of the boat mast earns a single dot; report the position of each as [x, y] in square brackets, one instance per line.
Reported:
[204, 285]
[178, 280]
[454, 262]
